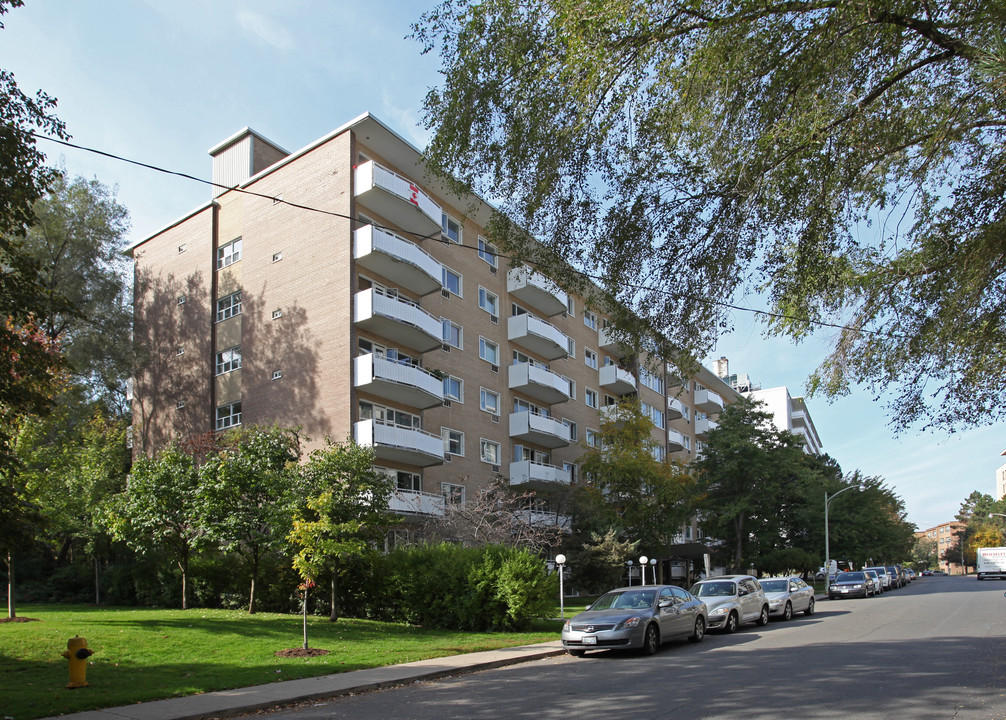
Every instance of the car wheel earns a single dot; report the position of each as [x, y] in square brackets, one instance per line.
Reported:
[577, 653]
[763, 618]
[700, 630]
[732, 623]
[651, 640]
[810, 608]
[787, 613]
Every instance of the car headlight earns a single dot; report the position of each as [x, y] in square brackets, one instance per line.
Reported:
[856, 587]
[630, 623]
[565, 626]
[720, 611]
[775, 603]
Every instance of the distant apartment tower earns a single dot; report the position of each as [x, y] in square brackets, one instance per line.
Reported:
[1001, 482]
[342, 290]
[943, 536]
[788, 413]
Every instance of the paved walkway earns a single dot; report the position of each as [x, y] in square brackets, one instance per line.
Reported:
[242, 700]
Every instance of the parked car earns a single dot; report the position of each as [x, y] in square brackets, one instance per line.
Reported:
[896, 580]
[636, 617]
[910, 574]
[788, 595]
[927, 573]
[885, 577]
[876, 579]
[732, 600]
[852, 584]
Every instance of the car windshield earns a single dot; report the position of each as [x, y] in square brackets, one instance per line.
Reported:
[719, 588]
[775, 585]
[850, 577]
[625, 599]
[878, 570]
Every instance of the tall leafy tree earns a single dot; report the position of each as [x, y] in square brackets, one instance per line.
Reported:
[344, 510]
[246, 494]
[646, 499]
[159, 510]
[846, 159]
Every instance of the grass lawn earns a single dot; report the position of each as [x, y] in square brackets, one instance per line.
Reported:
[144, 654]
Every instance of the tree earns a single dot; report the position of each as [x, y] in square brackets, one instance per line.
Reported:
[344, 510]
[747, 478]
[647, 500]
[924, 554]
[159, 510]
[246, 493]
[77, 238]
[598, 564]
[843, 158]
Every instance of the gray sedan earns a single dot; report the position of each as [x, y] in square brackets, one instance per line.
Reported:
[636, 617]
[788, 595]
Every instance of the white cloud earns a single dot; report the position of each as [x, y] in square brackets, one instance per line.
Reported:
[265, 29]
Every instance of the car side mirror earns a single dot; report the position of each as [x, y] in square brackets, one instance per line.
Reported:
[665, 604]
[742, 593]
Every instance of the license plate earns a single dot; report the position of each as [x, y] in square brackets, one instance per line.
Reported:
[845, 590]
[589, 640]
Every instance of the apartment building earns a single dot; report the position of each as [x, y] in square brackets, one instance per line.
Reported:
[340, 289]
[943, 536]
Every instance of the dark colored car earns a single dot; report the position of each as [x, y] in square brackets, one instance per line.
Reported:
[897, 579]
[643, 617]
[852, 584]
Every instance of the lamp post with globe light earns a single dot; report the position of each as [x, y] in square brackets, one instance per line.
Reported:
[560, 561]
[827, 550]
[642, 567]
[629, 563]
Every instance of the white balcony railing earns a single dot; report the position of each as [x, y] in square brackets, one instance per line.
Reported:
[617, 380]
[675, 408]
[675, 441]
[538, 382]
[540, 337]
[708, 401]
[405, 383]
[398, 319]
[400, 444]
[414, 502]
[703, 426]
[523, 471]
[539, 429]
[398, 259]
[396, 198]
[536, 290]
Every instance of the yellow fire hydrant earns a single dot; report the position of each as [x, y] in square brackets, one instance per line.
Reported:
[77, 653]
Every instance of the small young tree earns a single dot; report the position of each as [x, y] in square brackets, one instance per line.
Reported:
[246, 492]
[344, 509]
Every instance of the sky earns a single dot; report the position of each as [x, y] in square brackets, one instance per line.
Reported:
[162, 82]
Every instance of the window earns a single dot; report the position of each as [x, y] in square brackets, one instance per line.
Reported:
[181, 299]
[228, 416]
[489, 302]
[452, 281]
[685, 411]
[571, 390]
[453, 494]
[451, 228]
[389, 416]
[572, 428]
[229, 306]
[590, 358]
[489, 351]
[229, 254]
[180, 350]
[182, 248]
[454, 388]
[590, 319]
[489, 451]
[408, 481]
[590, 397]
[228, 360]
[571, 347]
[654, 382]
[569, 306]
[570, 469]
[277, 314]
[658, 452]
[655, 414]
[277, 374]
[487, 252]
[489, 401]
[276, 257]
[593, 438]
[687, 442]
[454, 441]
[452, 333]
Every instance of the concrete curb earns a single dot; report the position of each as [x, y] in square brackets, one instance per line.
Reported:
[242, 700]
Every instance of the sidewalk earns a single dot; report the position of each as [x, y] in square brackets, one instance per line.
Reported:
[242, 700]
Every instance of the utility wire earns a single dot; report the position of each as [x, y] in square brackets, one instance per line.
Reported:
[437, 235]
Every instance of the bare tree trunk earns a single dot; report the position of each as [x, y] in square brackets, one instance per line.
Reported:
[97, 585]
[251, 597]
[304, 611]
[333, 613]
[11, 610]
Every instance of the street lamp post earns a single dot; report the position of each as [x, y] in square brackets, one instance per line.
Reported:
[827, 550]
[642, 567]
[653, 570]
[560, 560]
[629, 563]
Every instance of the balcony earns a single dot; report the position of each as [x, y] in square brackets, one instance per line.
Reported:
[540, 337]
[402, 262]
[610, 414]
[412, 502]
[617, 380]
[537, 291]
[675, 408]
[525, 471]
[708, 401]
[703, 426]
[675, 441]
[538, 429]
[608, 343]
[538, 382]
[396, 199]
[396, 443]
[397, 319]
[537, 518]
[403, 383]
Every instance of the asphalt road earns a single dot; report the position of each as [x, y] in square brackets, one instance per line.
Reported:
[936, 649]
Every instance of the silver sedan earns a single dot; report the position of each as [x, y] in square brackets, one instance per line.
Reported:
[788, 595]
[643, 617]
